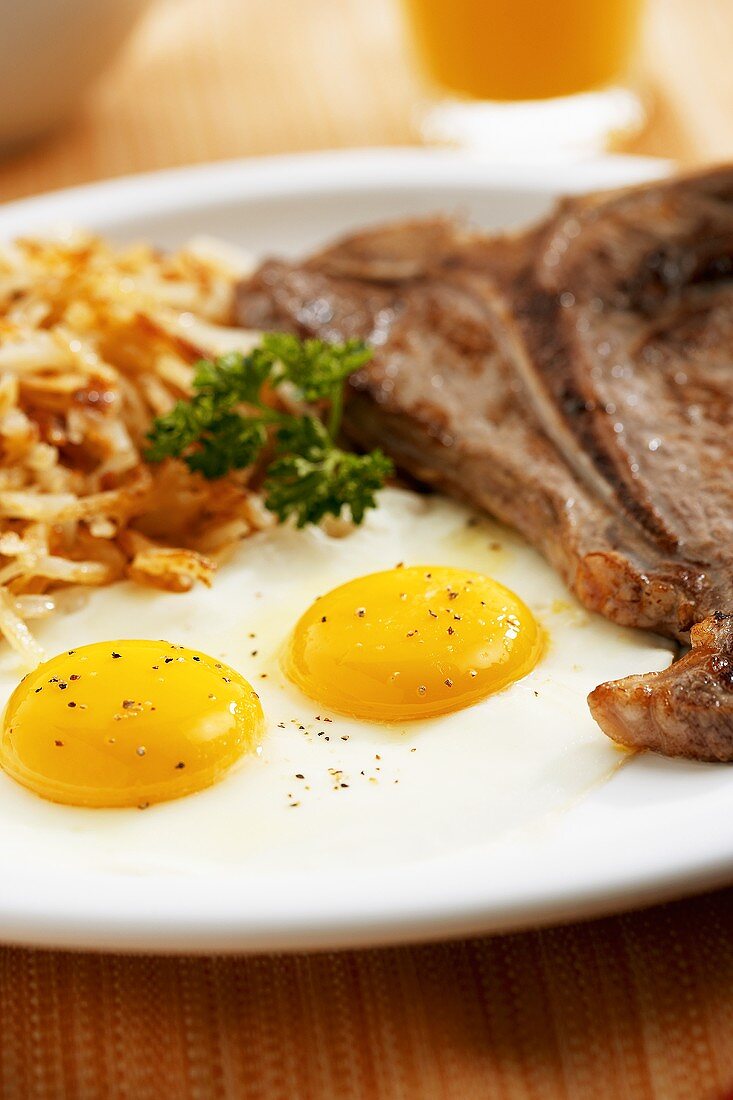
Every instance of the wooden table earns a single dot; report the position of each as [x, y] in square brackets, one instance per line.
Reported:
[632, 1007]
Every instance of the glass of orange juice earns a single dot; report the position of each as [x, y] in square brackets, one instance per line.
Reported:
[529, 78]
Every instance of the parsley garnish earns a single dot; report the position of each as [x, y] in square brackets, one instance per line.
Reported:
[228, 421]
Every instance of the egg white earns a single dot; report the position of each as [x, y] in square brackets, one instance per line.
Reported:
[370, 794]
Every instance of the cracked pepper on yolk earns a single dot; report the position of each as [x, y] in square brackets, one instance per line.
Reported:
[127, 723]
[412, 643]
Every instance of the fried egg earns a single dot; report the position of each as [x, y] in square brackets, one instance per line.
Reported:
[351, 767]
[412, 643]
[127, 723]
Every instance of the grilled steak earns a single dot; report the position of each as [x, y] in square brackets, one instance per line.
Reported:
[670, 711]
[575, 381]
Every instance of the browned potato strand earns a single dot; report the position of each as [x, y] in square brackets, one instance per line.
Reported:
[95, 342]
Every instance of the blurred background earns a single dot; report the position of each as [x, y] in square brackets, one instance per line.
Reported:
[185, 81]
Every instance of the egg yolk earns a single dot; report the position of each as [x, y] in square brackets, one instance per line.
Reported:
[127, 723]
[412, 643]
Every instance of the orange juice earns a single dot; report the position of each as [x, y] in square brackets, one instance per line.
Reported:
[522, 49]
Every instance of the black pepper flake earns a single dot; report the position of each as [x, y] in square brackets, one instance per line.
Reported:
[344, 737]
[127, 703]
[400, 565]
[116, 656]
[59, 744]
[253, 653]
[360, 612]
[411, 633]
[323, 619]
[458, 618]
[448, 682]
[156, 667]
[432, 614]
[451, 630]
[54, 680]
[75, 676]
[452, 595]
[536, 694]
[343, 784]
[263, 676]
[227, 679]
[71, 704]
[71, 652]
[180, 765]
[281, 725]
[38, 689]
[328, 719]
[422, 689]
[299, 775]
[168, 660]
[62, 685]
[143, 805]
[196, 659]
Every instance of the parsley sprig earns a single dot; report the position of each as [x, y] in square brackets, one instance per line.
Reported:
[230, 419]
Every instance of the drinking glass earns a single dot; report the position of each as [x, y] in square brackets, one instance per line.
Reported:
[527, 79]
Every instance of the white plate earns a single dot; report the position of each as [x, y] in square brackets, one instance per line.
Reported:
[656, 829]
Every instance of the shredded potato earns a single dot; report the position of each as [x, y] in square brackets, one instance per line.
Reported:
[94, 343]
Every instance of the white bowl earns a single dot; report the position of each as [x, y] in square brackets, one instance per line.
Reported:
[50, 51]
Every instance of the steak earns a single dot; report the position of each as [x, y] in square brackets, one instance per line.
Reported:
[576, 381]
[670, 711]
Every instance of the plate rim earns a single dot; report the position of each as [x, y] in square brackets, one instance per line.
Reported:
[330, 169]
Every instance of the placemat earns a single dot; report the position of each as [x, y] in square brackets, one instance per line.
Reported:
[627, 1008]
